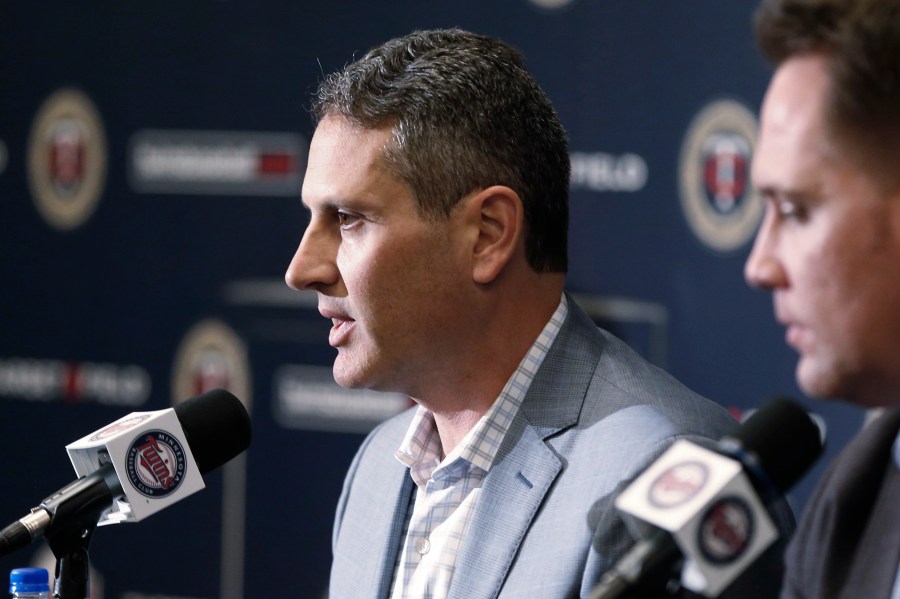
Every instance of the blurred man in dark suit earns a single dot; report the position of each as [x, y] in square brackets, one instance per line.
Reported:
[828, 166]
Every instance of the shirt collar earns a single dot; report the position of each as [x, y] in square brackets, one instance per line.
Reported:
[420, 449]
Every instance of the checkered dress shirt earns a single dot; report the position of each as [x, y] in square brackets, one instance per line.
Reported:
[447, 491]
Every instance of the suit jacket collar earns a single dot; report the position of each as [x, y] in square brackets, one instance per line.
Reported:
[390, 514]
[526, 467]
[556, 396]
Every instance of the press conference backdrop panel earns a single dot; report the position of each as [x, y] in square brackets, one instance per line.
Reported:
[151, 156]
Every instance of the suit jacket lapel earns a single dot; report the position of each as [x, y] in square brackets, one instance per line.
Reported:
[368, 556]
[387, 561]
[526, 467]
[512, 493]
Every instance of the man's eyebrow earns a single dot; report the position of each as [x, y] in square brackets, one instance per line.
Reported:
[790, 193]
[770, 191]
[330, 206]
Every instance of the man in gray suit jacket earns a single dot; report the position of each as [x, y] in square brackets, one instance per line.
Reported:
[437, 185]
[829, 249]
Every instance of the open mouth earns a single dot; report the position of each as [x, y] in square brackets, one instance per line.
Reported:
[340, 330]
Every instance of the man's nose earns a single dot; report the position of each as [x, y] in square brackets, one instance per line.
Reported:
[763, 268]
[314, 263]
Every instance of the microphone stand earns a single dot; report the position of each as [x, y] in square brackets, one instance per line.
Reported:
[70, 546]
[75, 511]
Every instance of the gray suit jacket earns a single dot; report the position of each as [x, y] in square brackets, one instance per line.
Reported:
[545, 527]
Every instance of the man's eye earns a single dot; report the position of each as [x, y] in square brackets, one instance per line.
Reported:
[346, 220]
[789, 209]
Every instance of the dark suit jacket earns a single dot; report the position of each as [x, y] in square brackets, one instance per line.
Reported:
[848, 542]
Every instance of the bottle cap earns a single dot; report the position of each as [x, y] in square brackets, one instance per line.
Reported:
[29, 580]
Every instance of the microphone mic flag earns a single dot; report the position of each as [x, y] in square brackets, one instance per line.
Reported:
[701, 506]
[139, 465]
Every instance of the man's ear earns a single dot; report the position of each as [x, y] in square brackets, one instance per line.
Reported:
[500, 219]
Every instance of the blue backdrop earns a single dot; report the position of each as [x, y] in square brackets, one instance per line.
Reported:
[151, 156]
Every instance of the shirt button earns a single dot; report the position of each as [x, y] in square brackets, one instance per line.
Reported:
[422, 546]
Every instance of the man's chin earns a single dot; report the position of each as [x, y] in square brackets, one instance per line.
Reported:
[824, 382]
[350, 375]
[347, 380]
[811, 380]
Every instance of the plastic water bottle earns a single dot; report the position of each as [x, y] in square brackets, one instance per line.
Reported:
[29, 583]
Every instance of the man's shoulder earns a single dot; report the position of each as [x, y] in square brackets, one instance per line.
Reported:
[623, 379]
[594, 375]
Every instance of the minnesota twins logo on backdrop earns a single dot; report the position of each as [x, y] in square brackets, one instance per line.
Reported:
[67, 159]
[726, 157]
[720, 206]
[211, 355]
[155, 463]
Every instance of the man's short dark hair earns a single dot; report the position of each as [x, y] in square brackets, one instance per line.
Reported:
[861, 41]
[465, 115]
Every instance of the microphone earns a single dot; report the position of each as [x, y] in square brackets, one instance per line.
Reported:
[695, 507]
[138, 465]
